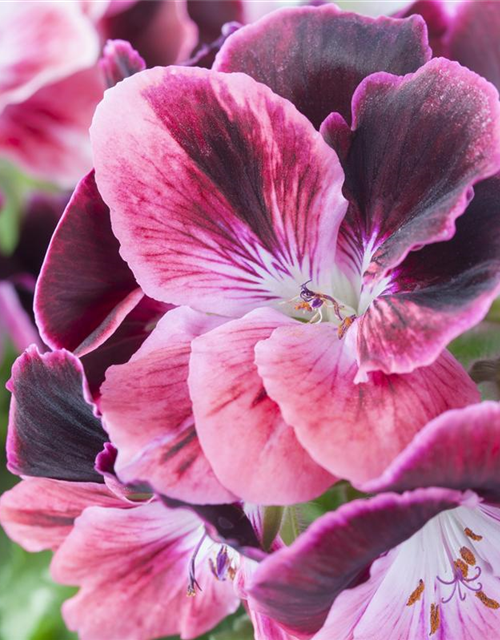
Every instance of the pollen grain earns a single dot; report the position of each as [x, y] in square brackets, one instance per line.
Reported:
[416, 594]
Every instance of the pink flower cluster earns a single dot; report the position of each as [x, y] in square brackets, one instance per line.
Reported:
[248, 300]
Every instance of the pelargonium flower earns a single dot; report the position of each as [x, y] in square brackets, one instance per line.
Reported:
[121, 548]
[250, 222]
[422, 564]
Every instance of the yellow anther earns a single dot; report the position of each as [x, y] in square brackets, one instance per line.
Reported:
[488, 602]
[435, 619]
[417, 594]
[346, 323]
[472, 535]
[191, 592]
[462, 567]
[468, 556]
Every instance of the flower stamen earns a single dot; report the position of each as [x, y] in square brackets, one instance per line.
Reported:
[435, 619]
[416, 594]
[193, 583]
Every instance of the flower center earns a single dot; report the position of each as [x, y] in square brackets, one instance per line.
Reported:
[222, 566]
[463, 553]
[322, 307]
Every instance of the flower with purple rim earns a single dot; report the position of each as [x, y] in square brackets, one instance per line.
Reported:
[382, 242]
[419, 563]
[119, 546]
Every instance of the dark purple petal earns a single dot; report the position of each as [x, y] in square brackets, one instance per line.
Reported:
[53, 432]
[210, 17]
[226, 523]
[119, 61]
[440, 291]
[419, 144]
[124, 342]
[85, 288]
[38, 223]
[474, 39]
[161, 31]
[459, 450]
[297, 585]
[317, 56]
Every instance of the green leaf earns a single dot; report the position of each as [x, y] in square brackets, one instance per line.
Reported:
[479, 343]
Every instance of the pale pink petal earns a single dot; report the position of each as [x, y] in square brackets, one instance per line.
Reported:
[136, 562]
[39, 514]
[459, 449]
[148, 414]
[251, 448]
[42, 43]
[353, 430]
[47, 134]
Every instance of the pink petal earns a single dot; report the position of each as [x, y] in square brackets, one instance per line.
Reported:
[14, 320]
[103, 289]
[47, 134]
[317, 56]
[251, 448]
[252, 223]
[147, 411]
[119, 61]
[39, 514]
[139, 559]
[41, 44]
[297, 585]
[459, 449]
[353, 430]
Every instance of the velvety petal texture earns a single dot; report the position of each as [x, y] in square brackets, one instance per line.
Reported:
[147, 552]
[460, 449]
[297, 585]
[402, 196]
[439, 291]
[240, 428]
[250, 204]
[148, 414]
[53, 431]
[103, 289]
[353, 430]
[317, 56]
[39, 513]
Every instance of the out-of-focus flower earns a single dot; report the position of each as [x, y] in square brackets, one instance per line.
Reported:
[19, 271]
[422, 564]
[249, 223]
[466, 30]
[50, 87]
